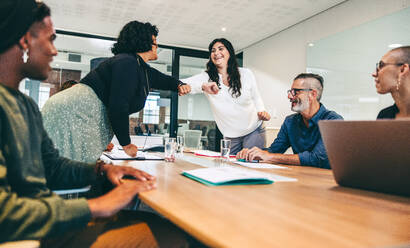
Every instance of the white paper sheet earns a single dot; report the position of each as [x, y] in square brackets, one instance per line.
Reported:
[260, 165]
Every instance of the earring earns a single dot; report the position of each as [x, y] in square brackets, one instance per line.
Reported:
[398, 84]
[25, 56]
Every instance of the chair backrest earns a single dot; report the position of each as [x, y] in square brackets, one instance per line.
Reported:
[270, 135]
[181, 128]
[211, 139]
[192, 138]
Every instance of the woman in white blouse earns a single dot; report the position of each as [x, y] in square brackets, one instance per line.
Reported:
[233, 95]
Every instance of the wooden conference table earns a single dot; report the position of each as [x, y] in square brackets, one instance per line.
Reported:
[312, 212]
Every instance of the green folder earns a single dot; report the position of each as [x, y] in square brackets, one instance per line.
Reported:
[226, 176]
[231, 182]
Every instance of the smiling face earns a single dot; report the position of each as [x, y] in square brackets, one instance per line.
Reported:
[219, 55]
[41, 49]
[386, 76]
[299, 101]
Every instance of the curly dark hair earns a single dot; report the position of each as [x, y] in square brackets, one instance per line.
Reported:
[234, 78]
[135, 37]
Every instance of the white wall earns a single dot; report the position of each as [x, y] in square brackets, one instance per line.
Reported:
[278, 59]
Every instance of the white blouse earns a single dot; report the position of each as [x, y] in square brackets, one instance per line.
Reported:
[235, 117]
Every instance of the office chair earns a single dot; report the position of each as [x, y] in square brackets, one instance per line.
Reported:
[192, 138]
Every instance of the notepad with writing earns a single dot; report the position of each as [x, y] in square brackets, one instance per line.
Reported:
[227, 176]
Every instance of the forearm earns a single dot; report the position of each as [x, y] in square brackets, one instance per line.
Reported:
[161, 81]
[277, 158]
[120, 126]
[196, 82]
[36, 218]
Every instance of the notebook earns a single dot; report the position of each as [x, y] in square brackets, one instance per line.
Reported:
[372, 155]
[228, 175]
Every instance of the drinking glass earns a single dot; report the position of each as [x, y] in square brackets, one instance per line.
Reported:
[170, 145]
[180, 146]
[225, 149]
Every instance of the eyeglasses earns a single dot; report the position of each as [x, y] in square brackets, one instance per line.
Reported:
[295, 91]
[381, 64]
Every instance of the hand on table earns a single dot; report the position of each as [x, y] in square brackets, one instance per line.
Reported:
[118, 198]
[130, 150]
[110, 146]
[254, 153]
[116, 173]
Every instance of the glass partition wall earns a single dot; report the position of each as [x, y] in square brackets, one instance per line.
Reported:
[347, 59]
[194, 111]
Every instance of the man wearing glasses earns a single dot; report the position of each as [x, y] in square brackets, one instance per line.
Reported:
[299, 131]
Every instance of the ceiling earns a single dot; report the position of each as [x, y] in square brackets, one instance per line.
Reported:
[188, 23]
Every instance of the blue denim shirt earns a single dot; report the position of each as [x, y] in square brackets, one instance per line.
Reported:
[305, 141]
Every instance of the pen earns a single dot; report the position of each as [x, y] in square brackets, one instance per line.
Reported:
[252, 161]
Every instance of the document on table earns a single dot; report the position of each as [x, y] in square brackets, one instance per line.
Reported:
[121, 155]
[260, 165]
[233, 176]
[207, 153]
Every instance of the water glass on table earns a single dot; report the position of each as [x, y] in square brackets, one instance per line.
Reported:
[180, 146]
[170, 145]
[225, 149]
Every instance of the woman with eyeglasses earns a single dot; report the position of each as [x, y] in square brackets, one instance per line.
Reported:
[81, 120]
[233, 95]
[393, 76]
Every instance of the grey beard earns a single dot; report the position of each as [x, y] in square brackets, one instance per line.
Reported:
[301, 106]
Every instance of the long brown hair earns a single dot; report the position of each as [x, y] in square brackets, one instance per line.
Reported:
[234, 78]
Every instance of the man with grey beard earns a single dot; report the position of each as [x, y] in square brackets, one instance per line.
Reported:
[299, 131]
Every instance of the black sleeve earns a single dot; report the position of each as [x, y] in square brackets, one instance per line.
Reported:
[124, 85]
[161, 81]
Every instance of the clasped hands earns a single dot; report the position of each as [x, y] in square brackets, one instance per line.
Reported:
[254, 153]
[124, 192]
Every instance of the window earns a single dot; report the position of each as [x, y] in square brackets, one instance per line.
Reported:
[151, 109]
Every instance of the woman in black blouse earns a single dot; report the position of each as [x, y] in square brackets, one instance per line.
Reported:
[393, 76]
[81, 120]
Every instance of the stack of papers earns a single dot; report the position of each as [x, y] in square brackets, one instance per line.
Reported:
[121, 155]
[260, 165]
[232, 176]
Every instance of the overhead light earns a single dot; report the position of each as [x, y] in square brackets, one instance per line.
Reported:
[223, 29]
[57, 65]
[311, 44]
[395, 45]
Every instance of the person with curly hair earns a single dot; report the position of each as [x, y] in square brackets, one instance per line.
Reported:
[82, 119]
[225, 84]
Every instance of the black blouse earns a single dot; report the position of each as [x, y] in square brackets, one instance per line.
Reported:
[122, 83]
[388, 113]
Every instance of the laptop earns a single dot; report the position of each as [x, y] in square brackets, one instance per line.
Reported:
[372, 155]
